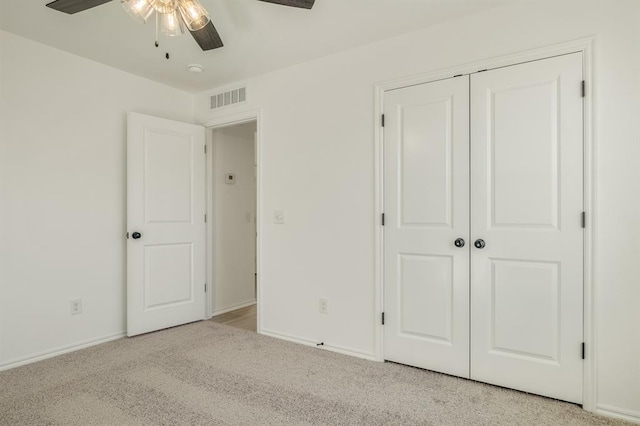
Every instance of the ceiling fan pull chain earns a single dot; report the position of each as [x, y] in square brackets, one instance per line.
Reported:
[157, 29]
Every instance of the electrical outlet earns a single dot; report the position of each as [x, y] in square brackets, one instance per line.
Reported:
[76, 306]
[323, 306]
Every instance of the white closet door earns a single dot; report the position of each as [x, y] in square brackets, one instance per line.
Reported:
[426, 290]
[527, 201]
[165, 218]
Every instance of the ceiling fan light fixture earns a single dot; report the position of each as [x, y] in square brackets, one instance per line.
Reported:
[165, 6]
[140, 10]
[171, 24]
[194, 14]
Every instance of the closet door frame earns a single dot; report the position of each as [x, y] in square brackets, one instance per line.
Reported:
[584, 46]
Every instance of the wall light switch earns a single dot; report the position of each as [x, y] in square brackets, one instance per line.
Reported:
[278, 217]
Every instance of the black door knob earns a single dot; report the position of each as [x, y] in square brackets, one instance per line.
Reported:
[480, 244]
[459, 242]
[136, 235]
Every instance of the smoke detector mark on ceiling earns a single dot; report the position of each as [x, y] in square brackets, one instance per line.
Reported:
[195, 68]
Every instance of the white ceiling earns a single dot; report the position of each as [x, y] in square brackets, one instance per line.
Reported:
[259, 37]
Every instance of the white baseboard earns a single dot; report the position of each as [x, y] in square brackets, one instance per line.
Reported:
[233, 308]
[618, 413]
[59, 351]
[313, 343]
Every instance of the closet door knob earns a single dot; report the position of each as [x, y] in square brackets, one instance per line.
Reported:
[136, 235]
[459, 242]
[480, 244]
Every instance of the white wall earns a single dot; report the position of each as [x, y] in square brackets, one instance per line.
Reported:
[62, 193]
[318, 164]
[234, 210]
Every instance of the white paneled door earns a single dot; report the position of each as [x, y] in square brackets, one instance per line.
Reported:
[426, 210]
[526, 205]
[494, 159]
[165, 221]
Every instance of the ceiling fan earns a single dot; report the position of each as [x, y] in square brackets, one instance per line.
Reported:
[171, 15]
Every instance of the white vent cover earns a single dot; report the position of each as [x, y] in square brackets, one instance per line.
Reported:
[230, 97]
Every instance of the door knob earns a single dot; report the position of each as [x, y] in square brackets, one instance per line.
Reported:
[459, 242]
[480, 244]
[136, 235]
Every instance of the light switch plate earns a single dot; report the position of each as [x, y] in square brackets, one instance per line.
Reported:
[278, 217]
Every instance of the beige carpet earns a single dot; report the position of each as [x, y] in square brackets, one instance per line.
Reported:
[211, 374]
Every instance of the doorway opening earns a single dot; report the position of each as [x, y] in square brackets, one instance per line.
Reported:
[232, 224]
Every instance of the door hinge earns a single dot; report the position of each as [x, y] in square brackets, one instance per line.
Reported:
[383, 318]
[205, 218]
[584, 350]
[382, 219]
[584, 219]
[382, 120]
[205, 149]
[583, 88]
[205, 287]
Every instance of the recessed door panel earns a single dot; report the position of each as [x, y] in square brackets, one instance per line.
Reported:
[523, 139]
[526, 205]
[426, 301]
[426, 197]
[524, 309]
[168, 170]
[168, 274]
[426, 140]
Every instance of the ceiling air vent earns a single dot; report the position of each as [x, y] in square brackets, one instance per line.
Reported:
[230, 97]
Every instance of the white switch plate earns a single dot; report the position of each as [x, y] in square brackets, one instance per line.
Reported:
[278, 217]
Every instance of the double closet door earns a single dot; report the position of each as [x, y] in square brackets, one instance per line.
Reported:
[483, 251]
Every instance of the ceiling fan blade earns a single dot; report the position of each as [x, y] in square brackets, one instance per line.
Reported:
[207, 37]
[75, 6]
[305, 4]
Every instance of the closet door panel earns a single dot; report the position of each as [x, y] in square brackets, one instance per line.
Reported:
[526, 205]
[426, 143]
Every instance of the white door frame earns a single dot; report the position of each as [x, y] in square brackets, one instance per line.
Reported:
[216, 123]
[586, 47]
